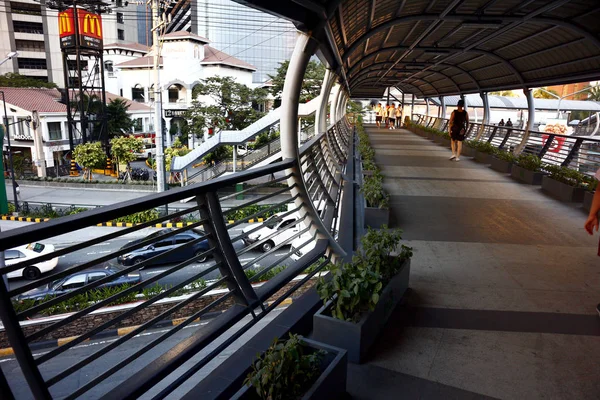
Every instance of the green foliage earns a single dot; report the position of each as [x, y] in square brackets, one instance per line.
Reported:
[152, 291]
[252, 273]
[483, 147]
[119, 121]
[541, 94]
[123, 148]
[90, 155]
[221, 153]
[177, 149]
[311, 84]
[247, 211]
[530, 162]
[378, 246]
[507, 156]
[11, 208]
[355, 107]
[229, 105]
[285, 371]
[505, 93]
[139, 217]
[12, 79]
[569, 176]
[48, 211]
[353, 288]
[372, 190]
[263, 138]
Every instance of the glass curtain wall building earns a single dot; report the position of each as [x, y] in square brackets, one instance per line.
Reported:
[245, 33]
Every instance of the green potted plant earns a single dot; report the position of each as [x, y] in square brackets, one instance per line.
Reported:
[502, 161]
[527, 169]
[296, 368]
[377, 212]
[360, 296]
[564, 183]
[590, 187]
[484, 152]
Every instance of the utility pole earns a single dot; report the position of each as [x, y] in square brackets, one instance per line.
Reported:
[160, 151]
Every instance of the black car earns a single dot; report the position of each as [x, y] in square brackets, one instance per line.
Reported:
[80, 279]
[160, 246]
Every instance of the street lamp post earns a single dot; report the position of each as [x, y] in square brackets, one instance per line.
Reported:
[10, 159]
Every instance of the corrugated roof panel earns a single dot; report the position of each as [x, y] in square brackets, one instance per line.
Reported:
[355, 14]
[384, 11]
[337, 34]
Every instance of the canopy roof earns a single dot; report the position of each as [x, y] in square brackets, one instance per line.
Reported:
[444, 47]
[474, 100]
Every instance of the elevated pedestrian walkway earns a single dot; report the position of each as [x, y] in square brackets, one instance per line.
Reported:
[504, 284]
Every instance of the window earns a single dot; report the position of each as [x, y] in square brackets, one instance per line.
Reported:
[28, 27]
[151, 93]
[137, 93]
[164, 243]
[109, 68]
[30, 45]
[54, 131]
[23, 128]
[173, 94]
[25, 8]
[121, 34]
[183, 239]
[138, 125]
[32, 63]
[12, 254]
[120, 18]
[94, 276]
[74, 282]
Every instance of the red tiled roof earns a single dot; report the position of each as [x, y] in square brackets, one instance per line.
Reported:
[214, 56]
[184, 35]
[42, 100]
[146, 61]
[47, 100]
[128, 46]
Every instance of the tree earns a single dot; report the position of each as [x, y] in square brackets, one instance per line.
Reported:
[505, 93]
[355, 107]
[124, 148]
[119, 122]
[543, 94]
[594, 93]
[311, 84]
[89, 155]
[224, 105]
[12, 79]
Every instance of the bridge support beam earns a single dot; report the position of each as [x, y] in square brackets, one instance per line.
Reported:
[443, 106]
[530, 120]
[321, 118]
[334, 103]
[304, 49]
[486, 114]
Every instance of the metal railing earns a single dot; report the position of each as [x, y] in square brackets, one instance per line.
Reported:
[577, 152]
[226, 287]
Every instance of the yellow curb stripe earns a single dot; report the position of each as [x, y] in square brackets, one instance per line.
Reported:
[159, 225]
[251, 221]
[100, 224]
[125, 331]
[179, 224]
[12, 218]
[6, 352]
[129, 224]
[169, 225]
[120, 224]
[109, 224]
[260, 219]
[62, 341]
[231, 221]
[38, 220]
[29, 219]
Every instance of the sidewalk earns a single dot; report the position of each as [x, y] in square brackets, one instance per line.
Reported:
[504, 285]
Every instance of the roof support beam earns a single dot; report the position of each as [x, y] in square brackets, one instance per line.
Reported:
[371, 16]
[340, 18]
[400, 8]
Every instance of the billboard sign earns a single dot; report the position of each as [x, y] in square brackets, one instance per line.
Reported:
[89, 27]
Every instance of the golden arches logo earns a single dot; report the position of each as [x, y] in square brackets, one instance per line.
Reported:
[91, 24]
[65, 23]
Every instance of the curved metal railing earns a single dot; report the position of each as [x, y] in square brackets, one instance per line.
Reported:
[222, 285]
[581, 153]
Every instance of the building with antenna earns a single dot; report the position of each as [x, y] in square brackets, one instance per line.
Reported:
[32, 30]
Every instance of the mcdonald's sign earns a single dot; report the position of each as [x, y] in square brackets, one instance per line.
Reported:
[90, 24]
[66, 28]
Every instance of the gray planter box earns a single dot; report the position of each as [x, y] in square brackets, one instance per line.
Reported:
[446, 142]
[526, 176]
[588, 197]
[331, 384]
[376, 217]
[482, 157]
[500, 165]
[357, 338]
[467, 151]
[562, 191]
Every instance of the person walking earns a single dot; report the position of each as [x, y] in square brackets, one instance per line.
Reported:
[459, 120]
[591, 224]
[392, 116]
[378, 115]
[385, 116]
[399, 116]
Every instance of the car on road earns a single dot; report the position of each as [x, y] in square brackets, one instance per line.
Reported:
[273, 224]
[162, 245]
[28, 252]
[80, 279]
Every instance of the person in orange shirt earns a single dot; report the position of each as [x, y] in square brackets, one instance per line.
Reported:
[591, 224]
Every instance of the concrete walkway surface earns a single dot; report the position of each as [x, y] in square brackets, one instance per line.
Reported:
[504, 285]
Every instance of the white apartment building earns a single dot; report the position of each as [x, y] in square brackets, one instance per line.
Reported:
[32, 30]
[51, 135]
[185, 59]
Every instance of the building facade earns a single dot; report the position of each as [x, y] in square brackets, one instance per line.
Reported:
[24, 106]
[31, 29]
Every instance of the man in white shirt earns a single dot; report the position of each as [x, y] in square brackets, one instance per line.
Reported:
[378, 115]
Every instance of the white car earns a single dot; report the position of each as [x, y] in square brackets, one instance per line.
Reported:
[300, 247]
[27, 252]
[270, 226]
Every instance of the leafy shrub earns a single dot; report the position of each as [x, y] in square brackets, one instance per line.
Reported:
[247, 211]
[372, 190]
[285, 370]
[252, 273]
[530, 162]
[11, 208]
[505, 156]
[378, 245]
[152, 291]
[568, 176]
[139, 217]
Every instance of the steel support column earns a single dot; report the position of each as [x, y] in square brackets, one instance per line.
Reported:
[304, 49]
[443, 106]
[321, 117]
[333, 105]
[426, 107]
[530, 120]
[486, 114]
[412, 106]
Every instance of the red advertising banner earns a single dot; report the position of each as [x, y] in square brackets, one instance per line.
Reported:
[66, 28]
[89, 28]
